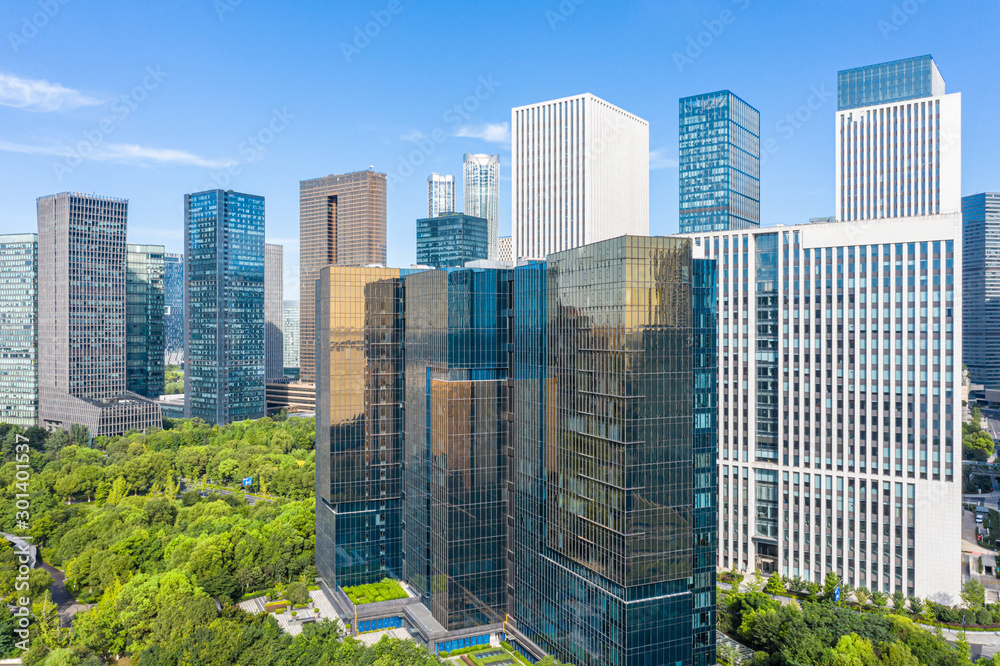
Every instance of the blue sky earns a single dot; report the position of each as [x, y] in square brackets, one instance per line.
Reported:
[149, 101]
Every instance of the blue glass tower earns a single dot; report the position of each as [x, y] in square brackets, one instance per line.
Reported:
[887, 82]
[719, 163]
[451, 239]
[173, 308]
[981, 287]
[224, 306]
[455, 442]
[19, 329]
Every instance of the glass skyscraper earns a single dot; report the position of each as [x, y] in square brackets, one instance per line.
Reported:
[481, 194]
[359, 425]
[454, 445]
[440, 194]
[887, 82]
[981, 287]
[224, 306]
[144, 320]
[531, 446]
[274, 336]
[604, 444]
[451, 239]
[19, 329]
[173, 302]
[719, 163]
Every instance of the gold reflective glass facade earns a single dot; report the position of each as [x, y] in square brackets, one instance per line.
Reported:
[359, 425]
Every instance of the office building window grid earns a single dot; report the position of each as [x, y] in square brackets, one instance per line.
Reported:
[19, 329]
[865, 403]
[719, 163]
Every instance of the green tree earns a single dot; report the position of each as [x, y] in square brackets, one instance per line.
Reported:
[898, 602]
[830, 585]
[775, 585]
[973, 595]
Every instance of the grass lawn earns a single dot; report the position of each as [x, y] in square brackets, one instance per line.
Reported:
[386, 590]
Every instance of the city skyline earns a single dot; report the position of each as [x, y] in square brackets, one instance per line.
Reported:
[796, 166]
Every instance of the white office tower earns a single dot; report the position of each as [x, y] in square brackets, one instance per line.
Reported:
[899, 148]
[440, 194]
[580, 174]
[840, 429]
[481, 194]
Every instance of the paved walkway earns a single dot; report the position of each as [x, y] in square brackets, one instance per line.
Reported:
[321, 610]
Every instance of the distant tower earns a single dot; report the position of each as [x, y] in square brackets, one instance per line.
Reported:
[19, 329]
[81, 317]
[144, 326]
[719, 163]
[899, 142]
[341, 223]
[579, 174]
[224, 306]
[173, 304]
[481, 193]
[440, 194]
[274, 344]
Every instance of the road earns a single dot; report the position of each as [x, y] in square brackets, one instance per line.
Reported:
[67, 604]
[251, 499]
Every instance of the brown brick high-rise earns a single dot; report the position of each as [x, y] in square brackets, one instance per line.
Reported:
[341, 223]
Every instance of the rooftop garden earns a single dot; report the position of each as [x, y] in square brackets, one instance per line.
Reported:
[385, 590]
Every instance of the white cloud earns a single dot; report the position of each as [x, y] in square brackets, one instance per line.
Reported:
[412, 135]
[659, 159]
[491, 132]
[121, 153]
[42, 96]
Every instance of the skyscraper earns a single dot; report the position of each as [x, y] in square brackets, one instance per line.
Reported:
[274, 342]
[719, 163]
[144, 320]
[440, 194]
[454, 462]
[603, 463]
[173, 301]
[341, 223]
[19, 329]
[451, 240]
[481, 194]
[840, 357]
[290, 330]
[483, 422]
[224, 306]
[359, 401]
[899, 149]
[981, 287]
[81, 317]
[580, 174]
